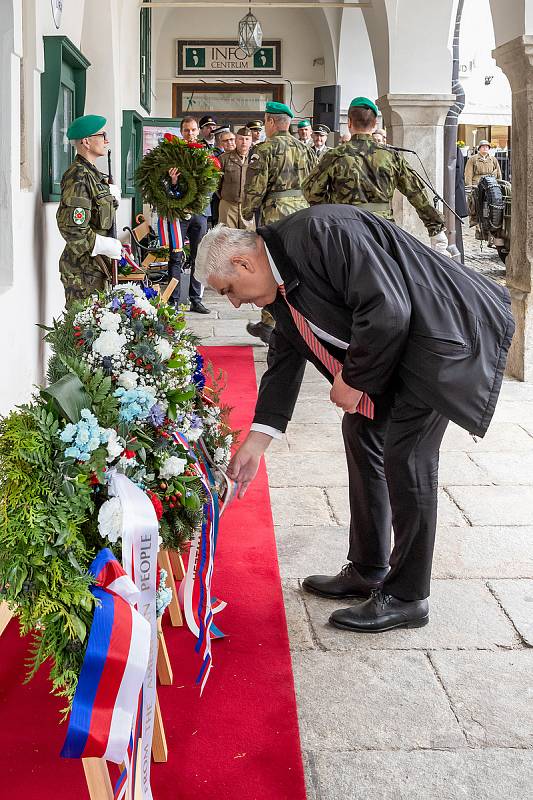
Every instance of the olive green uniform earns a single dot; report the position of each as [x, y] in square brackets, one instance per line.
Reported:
[274, 178]
[364, 173]
[86, 208]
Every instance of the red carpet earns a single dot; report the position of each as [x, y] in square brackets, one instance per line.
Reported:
[240, 740]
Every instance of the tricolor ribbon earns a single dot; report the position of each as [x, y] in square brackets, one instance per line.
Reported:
[140, 544]
[199, 605]
[114, 705]
[174, 240]
[112, 674]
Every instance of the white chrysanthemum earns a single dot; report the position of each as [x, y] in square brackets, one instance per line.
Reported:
[109, 343]
[128, 379]
[110, 321]
[144, 304]
[129, 288]
[163, 348]
[173, 466]
[219, 456]
[110, 519]
[115, 445]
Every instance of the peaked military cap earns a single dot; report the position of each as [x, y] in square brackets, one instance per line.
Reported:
[304, 123]
[255, 125]
[321, 129]
[278, 108]
[364, 102]
[207, 120]
[482, 142]
[222, 129]
[85, 126]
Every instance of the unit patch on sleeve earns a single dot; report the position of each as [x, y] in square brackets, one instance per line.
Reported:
[79, 215]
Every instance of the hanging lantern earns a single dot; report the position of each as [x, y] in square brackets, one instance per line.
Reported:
[250, 34]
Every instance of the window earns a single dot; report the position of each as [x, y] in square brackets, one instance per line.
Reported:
[131, 153]
[146, 59]
[62, 100]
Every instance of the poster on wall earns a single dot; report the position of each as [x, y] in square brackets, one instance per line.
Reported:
[152, 135]
[223, 56]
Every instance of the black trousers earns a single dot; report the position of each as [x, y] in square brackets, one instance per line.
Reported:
[193, 229]
[393, 463]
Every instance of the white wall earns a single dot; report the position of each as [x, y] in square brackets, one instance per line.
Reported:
[300, 47]
[485, 104]
[30, 289]
[356, 74]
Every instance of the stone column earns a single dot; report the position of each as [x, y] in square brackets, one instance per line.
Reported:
[415, 121]
[516, 59]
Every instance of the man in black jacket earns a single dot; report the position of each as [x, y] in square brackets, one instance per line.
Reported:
[423, 336]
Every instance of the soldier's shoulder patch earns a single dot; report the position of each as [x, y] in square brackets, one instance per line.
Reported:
[79, 215]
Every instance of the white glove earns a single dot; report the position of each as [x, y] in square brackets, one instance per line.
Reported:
[115, 191]
[439, 242]
[107, 246]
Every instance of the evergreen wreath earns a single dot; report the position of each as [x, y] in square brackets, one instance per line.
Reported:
[198, 179]
[123, 378]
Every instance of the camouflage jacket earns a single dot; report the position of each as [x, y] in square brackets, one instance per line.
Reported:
[86, 208]
[277, 167]
[361, 172]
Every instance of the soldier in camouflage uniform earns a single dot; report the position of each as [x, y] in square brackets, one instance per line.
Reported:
[273, 183]
[364, 173]
[86, 214]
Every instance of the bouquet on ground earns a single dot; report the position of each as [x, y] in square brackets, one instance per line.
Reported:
[126, 394]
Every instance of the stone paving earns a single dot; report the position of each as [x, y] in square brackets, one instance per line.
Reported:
[443, 712]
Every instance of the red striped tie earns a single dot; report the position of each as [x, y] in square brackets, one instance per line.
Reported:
[365, 405]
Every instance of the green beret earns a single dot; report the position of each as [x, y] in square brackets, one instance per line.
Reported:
[85, 126]
[364, 102]
[278, 108]
[304, 123]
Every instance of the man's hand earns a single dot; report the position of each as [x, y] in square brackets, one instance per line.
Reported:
[344, 396]
[245, 462]
[174, 175]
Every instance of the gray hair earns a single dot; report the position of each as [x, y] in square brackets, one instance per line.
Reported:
[281, 121]
[218, 247]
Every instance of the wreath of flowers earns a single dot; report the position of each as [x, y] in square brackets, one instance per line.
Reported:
[124, 376]
[199, 175]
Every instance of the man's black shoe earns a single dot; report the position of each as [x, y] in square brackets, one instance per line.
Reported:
[381, 612]
[259, 329]
[199, 307]
[348, 583]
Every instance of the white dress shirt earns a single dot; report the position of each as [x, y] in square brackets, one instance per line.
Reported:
[324, 335]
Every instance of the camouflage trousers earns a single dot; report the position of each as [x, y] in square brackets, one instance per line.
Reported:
[80, 278]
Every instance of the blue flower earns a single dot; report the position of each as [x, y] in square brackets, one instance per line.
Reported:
[115, 304]
[156, 415]
[135, 404]
[85, 436]
[149, 292]
[129, 299]
[68, 433]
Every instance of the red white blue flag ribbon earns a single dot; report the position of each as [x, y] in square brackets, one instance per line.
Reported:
[106, 698]
[140, 544]
[195, 591]
[174, 240]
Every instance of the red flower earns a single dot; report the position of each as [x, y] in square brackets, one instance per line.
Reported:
[169, 137]
[129, 453]
[157, 504]
[93, 479]
[195, 145]
[216, 162]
